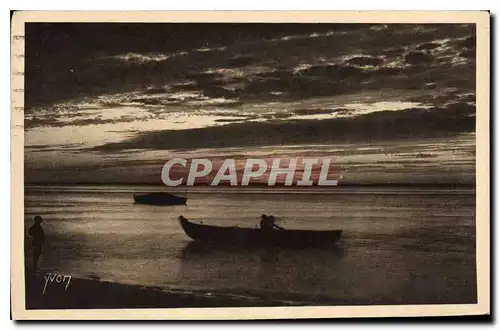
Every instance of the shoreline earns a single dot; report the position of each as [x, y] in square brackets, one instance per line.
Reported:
[83, 293]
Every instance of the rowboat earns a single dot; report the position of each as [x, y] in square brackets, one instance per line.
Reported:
[160, 199]
[257, 237]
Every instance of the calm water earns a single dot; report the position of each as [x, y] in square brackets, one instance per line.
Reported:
[399, 245]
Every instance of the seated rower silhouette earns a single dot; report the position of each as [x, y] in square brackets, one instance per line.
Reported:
[268, 223]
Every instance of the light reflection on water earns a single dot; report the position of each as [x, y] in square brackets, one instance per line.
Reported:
[400, 246]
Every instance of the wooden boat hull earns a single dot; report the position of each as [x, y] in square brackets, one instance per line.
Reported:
[159, 199]
[256, 237]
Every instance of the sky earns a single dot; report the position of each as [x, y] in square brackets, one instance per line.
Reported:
[111, 102]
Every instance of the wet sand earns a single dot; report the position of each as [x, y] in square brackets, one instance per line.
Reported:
[95, 294]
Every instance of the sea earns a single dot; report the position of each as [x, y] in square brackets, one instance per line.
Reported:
[400, 245]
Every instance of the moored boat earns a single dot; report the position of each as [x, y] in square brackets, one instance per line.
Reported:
[159, 198]
[256, 237]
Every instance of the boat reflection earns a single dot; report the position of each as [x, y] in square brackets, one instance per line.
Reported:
[259, 270]
[198, 249]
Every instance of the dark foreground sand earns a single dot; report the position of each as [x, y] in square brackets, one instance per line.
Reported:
[83, 293]
[88, 294]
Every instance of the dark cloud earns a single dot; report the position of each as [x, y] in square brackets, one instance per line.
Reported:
[318, 80]
[339, 72]
[147, 100]
[419, 155]
[303, 112]
[278, 115]
[385, 125]
[52, 122]
[393, 52]
[227, 120]
[240, 61]
[154, 91]
[470, 54]
[467, 43]
[67, 61]
[428, 46]
[52, 147]
[418, 58]
[365, 60]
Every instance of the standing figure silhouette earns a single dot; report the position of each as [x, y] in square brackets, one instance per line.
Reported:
[38, 235]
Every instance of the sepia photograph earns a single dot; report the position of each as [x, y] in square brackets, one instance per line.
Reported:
[275, 163]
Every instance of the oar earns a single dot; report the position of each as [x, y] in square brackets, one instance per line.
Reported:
[279, 227]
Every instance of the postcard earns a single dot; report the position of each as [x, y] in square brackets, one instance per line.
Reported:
[250, 165]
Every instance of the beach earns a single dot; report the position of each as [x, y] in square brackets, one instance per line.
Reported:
[94, 294]
[399, 246]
